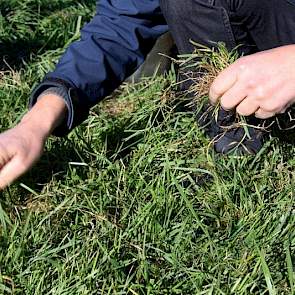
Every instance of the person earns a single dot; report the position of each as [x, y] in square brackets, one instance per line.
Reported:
[117, 40]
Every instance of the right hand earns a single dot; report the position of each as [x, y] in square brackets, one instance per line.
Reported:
[20, 148]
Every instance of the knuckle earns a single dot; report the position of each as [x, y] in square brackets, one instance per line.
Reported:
[246, 78]
[250, 83]
[243, 63]
[22, 166]
[260, 92]
[246, 72]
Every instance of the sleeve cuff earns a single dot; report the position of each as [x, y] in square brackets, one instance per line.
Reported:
[76, 111]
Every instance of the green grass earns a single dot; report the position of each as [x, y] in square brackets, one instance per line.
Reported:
[135, 201]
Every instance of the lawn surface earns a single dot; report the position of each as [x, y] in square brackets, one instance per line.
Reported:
[134, 201]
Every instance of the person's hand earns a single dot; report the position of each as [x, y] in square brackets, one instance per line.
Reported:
[262, 83]
[20, 148]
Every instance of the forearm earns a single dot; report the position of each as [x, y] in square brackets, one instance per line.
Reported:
[47, 114]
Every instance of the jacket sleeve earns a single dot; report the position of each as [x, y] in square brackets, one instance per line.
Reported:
[112, 47]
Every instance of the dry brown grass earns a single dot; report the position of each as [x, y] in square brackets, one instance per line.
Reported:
[116, 107]
[10, 77]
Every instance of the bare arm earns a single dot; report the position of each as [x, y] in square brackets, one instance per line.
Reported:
[22, 146]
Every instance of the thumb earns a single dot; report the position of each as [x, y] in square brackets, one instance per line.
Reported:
[11, 171]
[223, 82]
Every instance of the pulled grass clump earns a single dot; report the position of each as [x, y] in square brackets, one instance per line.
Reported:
[200, 69]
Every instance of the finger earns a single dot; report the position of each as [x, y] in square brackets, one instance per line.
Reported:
[233, 97]
[247, 107]
[285, 108]
[11, 171]
[278, 103]
[261, 114]
[2, 162]
[4, 158]
[282, 111]
[224, 81]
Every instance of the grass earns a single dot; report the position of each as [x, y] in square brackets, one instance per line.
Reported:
[135, 201]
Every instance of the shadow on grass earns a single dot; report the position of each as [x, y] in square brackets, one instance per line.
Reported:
[28, 36]
[54, 162]
[119, 142]
[16, 54]
[118, 146]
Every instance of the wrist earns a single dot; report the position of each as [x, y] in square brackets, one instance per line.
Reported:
[47, 114]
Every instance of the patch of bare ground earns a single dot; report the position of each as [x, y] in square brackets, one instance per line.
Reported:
[115, 107]
[39, 205]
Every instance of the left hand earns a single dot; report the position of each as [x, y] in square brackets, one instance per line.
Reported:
[262, 83]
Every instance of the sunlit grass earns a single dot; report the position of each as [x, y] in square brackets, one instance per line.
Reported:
[136, 202]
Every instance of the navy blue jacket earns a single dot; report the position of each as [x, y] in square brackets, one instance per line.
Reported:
[112, 46]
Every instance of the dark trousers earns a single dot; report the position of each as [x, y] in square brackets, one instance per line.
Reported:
[256, 24]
